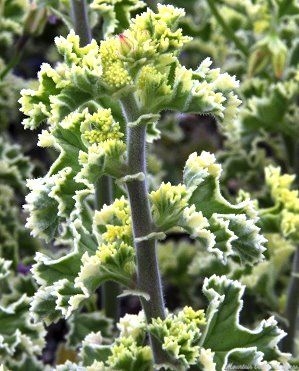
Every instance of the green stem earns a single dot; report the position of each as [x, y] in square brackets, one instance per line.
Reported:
[227, 30]
[110, 289]
[104, 192]
[291, 311]
[152, 4]
[80, 21]
[296, 160]
[290, 150]
[18, 52]
[148, 275]
[104, 195]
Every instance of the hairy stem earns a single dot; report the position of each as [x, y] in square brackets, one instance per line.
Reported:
[110, 289]
[80, 21]
[227, 30]
[291, 311]
[148, 275]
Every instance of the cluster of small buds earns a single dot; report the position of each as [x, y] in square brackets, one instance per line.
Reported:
[114, 72]
[149, 39]
[74, 54]
[205, 161]
[115, 238]
[132, 325]
[119, 211]
[126, 354]
[151, 34]
[100, 126]
[180, 334]
[168, 202]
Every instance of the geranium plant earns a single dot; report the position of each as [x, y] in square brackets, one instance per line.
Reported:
[103, 210]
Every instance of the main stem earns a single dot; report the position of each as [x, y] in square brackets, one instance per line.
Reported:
[110, 289]
[148, 275]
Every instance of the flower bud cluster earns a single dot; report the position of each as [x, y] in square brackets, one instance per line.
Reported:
[180, 334]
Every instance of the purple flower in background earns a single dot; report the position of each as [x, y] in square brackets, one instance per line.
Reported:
[23, 269]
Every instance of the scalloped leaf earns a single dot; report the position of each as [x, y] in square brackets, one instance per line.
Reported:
[15, 168]
[60, 196]
[21, 341]
[66, 282]
[242, 344]
[57, 296]
[232, 227]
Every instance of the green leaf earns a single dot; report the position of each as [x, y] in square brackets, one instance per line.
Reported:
[224, 228]
[15, 168]
[57, 296]
[93, 349]
[225, 336]
[20, 338]
[81, 324]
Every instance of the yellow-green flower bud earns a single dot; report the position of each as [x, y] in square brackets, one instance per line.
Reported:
[100, 127]
[168, 203]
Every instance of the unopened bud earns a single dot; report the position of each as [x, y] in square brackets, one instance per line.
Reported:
[278, 52]
[126, 44]
[258, 60]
